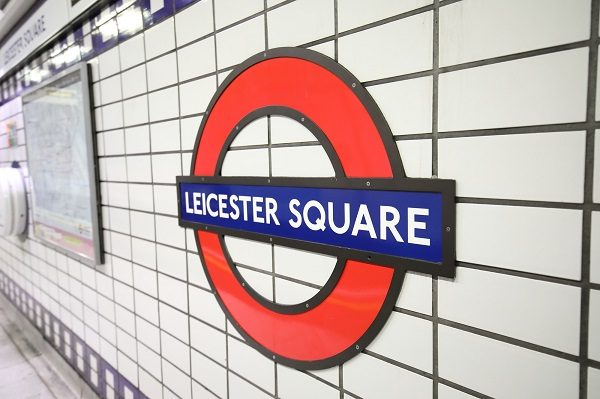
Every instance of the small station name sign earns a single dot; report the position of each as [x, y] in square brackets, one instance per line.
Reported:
[369, 218]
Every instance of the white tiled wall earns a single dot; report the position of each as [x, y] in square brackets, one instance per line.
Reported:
[504, 115]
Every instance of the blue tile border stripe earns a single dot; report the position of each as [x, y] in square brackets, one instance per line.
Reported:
[103, 378]
[107, 28]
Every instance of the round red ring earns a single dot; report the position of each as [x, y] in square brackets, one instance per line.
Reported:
[349, 318]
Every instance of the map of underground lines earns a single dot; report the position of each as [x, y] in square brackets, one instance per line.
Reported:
[58, 165]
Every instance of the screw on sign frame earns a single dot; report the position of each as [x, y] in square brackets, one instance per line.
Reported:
[352, 307]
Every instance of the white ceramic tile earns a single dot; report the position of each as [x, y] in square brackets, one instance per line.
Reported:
[162, 71]
[415, 294]
[327, 48]
[164, 104]
[406, 339]
[536, 240]
[165, 167]
[146, 307]
[122, 270]
[119, 220]
[213, 375]
[109, 63]
[174, 322]
[250, 364]
[246, 163]
[195, 96]
[110, 89]
[259, 282]
[135, 110]
[116, 169]
[208, 340]
[474, 30]
[544, 167]
[291, 162]
[301, 22]
[369, 377]
[175, 352]
[168, 231]
[165, 200]
[396, 48]
[134, 81]
[593, 382]
[99, 125]
[241, 41]
[143, 252]
[196, 274]
[254, 133]
[249, 252]
[140, 195]
[596, 192]
[177, 381]
[196, 59]
[416, 157]
[594, 332]
[239, 388]
[480, 363]
[126, 344]
[137, 140]
[138, 168]
[538, 90]
[206, 307]
[535, 311]
[127, 367]
[303, 265]
[142, 225]
[354, 13]
[595, 249]
[145, 280]
[125, 319]
[165, 136]
[149, 385]
[172, 291]
[445, 392]
[186, 161]
[171, 261]
[294, 384]
[160, 38]
[288, 130]
[291, 293]
[189, 130]
[132, 51]
[114, 142]
[112, 116]
[194, 22]
[199, 391]
[406, 105]
[230, 11]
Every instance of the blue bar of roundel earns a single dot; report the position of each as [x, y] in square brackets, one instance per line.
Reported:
[373, 199]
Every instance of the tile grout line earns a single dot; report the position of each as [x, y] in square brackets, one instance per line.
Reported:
[226, 324]
[434, 170]
[588, 200]
[270, 158]
[145, 64]
[185, 244]
[336, 54]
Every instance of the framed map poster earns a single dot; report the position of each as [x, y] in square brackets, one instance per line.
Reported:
[62, 165]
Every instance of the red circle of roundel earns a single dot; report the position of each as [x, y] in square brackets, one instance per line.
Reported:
[360, 301]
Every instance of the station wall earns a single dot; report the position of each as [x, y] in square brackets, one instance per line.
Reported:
[497, 95]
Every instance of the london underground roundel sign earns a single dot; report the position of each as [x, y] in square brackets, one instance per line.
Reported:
[376, 221]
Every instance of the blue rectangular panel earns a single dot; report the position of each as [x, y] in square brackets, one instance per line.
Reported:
[396, 223]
